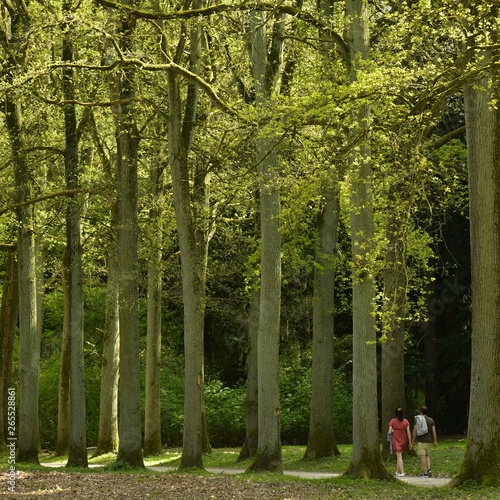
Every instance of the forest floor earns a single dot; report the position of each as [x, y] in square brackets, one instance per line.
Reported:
[118, 486]
[224, 478]
[217, 484]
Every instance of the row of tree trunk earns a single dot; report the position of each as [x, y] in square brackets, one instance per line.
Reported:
[190, 186]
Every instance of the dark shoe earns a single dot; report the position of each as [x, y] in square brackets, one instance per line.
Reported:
[429, 473]
[425, 474]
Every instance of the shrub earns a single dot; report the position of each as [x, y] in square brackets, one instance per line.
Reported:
[172, 403]
[225, 414]
[295, 388]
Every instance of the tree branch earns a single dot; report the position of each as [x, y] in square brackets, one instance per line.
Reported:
[7, 247]
[441, 141]
[53, 195]
[204, 85]
[242, 6]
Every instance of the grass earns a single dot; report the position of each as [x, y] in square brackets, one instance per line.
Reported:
[445, 462]
[445, 459]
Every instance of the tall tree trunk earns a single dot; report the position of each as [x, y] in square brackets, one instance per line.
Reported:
[266, 69]
[193, 269]
[63, 404]
[252, 389]
[8, 324]
[78, 437]
[28, 321]
[152, 421]
[127, 138]
[321, 441]
[366, 457]
[190, 214]
[108, 401]
[392, 372]
[482, 455]
[110, 368]
[29, 358]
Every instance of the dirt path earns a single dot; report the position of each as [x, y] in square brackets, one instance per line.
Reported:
[415, 480]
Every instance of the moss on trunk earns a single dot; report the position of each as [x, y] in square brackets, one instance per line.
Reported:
[131, 457]
[267, 462]
[481, 465]
[28, 456]
[321, 443]
[369, 466]
[191, 461]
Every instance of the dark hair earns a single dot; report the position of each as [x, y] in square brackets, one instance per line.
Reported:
[399, 414]
[424, 410]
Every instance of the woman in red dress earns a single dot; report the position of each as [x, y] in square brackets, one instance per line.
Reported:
[399, 429]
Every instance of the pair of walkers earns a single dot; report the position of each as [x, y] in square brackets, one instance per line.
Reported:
[424, 433]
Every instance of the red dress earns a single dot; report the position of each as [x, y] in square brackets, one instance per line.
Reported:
[399, 438]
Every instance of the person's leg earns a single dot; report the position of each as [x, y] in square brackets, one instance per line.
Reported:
[423, 451]
[399, 461]
[423, 460]
[428, 463]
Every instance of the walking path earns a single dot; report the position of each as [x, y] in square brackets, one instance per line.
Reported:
[414, 480]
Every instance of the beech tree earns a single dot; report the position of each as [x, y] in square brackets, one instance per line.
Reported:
[366, 458]
[393, 310]
[266, 70]
[77, 439]
[127, 144]
[190, 211]
[63, 399]
[152, 421]
[108, 400]
[108, 408]
[252, 384]
[8, 323]
[321, 441]
[15, 27]
[482, 456]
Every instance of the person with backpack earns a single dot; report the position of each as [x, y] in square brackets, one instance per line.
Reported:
[399, 430]
[424, 433]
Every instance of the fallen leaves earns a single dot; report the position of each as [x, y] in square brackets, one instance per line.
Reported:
[113, 486]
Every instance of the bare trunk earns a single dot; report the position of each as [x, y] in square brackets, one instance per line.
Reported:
[265, 69]
[366, 457]
[152, 422]
[130, 445]
[190, 214]
[193, 287]
[110, 375]
[392, 377]
[321, 442]
[63, 405]
[28, 326]
[482, 455]
[77, 436]
[8, 324]
[252, 393]
[108, 402]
